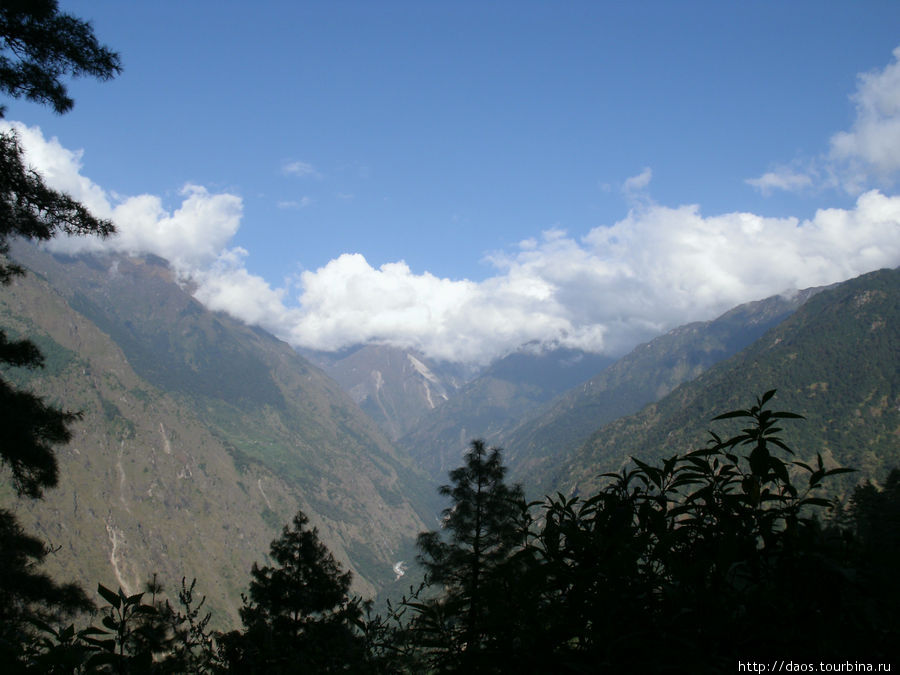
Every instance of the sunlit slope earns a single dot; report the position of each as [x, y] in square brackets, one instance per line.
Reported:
[200, 439]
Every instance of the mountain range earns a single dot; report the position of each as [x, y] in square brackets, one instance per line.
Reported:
[202, 436]
[645, 375]
[543, 402]
[392, 385]
[494, 401]
[835, 360]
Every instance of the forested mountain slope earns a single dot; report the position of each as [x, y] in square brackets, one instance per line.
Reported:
[836, 360]
[643, 376]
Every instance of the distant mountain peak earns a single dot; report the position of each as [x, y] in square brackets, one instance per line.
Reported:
[393, 385]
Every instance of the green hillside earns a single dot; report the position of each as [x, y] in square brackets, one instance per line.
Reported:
[836, 360]
[643, 376]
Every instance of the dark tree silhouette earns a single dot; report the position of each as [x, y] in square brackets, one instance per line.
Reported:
[299, 616]
[29, 426]
[27, 595]
[38, 46]
[687, 565]
[701, 560]
[471, 565]
[875, 519]
[31, 210]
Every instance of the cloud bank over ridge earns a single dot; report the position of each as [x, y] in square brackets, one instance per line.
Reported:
[657, 267]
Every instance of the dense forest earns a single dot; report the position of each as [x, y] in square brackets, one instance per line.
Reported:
[723, 555]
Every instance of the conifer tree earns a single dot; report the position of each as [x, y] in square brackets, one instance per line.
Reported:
[299, 616]
[467, 621]
[38, 47]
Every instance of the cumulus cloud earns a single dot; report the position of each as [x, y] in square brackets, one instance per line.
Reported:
[661, 266]
[869, 151]
[60, 167]
[656, 268]
[874, 139]
[227, 286]
[191, 237]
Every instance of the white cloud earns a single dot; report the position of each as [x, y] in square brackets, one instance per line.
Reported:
[301, 203]
[866, 154]
[191, 237]
[59, 166]
[638, 183]
[301, 169]
[783, 178]
[874, 139]
[228, 287]
[656, 268]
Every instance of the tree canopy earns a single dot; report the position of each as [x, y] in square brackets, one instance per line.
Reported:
[299, 616]
[470, 559]
[683, 566]
[39, 45]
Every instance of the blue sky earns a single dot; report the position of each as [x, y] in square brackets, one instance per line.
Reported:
[463, 177]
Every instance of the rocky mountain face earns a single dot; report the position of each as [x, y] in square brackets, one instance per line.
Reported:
[200, 438]
[836, 360]
[495, 400]
[646, 374]
[394, 386]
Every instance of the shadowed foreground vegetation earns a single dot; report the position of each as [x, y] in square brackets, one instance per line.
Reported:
[727, 553]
